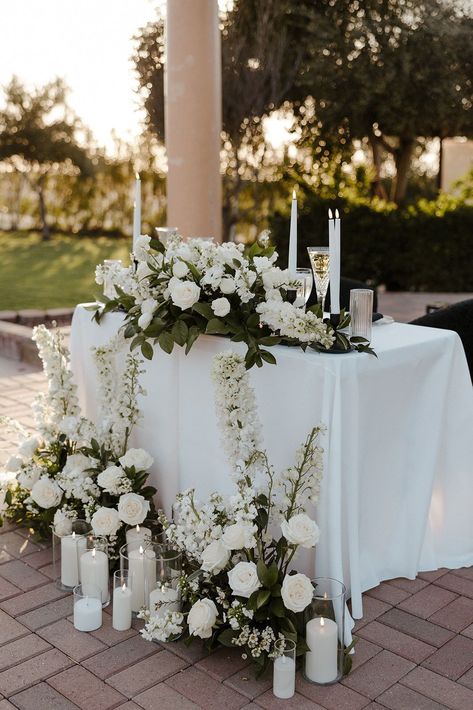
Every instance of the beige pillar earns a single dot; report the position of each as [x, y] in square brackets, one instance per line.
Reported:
[193, 95]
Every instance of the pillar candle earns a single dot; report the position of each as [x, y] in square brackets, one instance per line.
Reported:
[162, 600]
[72, 546]
[284, 677]
[94, 571]
[136, 536]
[121, 618]
[87, 614]
[334, 249]
[142, 571]
[137, 210]
[321, 661]
[292, 265]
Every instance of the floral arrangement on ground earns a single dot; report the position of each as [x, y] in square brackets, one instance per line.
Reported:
[173, 294]
[238, 588]
[74, 468]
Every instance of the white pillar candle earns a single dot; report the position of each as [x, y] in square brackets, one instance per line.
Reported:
[284, 677]
[334, 249]
[121, 618]
[162, 600]
[94, 572]
[137, 210]
[141, 567]
[292, 265]
[72, 547]
[321, 661]
[136, 536]
[87, 614]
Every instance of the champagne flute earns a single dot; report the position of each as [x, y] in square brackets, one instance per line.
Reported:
[320, 262]
[305, 279]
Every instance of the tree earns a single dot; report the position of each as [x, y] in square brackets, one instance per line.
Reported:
[38, 133]
[394, 70]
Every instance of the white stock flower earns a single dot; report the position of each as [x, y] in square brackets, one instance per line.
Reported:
[184, 293]
[111, 478]
[62, 522]
[227, 285]
[215, 557]
[144, 320]
[238, 536]
[179, 270]
[46, 493]
[132, 508]
[13, 464]
[139, 458]
[76, 464]
[147, 310]
[301, 530]
[201, 618]
[28, 447]
[297, 592]
[141, 247]
[105, 521]
[243, 579]
[28, 476]
[221, 307]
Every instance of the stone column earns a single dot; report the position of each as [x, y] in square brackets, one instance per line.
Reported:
[193, 96]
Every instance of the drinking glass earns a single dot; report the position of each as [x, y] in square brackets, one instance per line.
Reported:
[361, 312]
[164, 233]
[320, 262]
[305, 278]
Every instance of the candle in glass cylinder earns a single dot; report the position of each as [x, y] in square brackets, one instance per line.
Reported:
[72, 547]
[94, 571]
[141, 567]
[162, 600]
[121, 618]
[284, 677]
[137, 536]
[321, 661]
[87, 614]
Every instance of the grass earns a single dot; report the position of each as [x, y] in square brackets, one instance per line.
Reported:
[53, 274]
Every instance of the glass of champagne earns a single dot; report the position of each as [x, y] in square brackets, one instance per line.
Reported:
[305, 279]
[320, 262]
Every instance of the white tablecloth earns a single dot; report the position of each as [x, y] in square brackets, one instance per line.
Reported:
[397, 492]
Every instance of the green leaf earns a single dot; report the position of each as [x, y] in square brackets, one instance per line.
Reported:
[268, 357]
[268, 576]
[226, 638]
[277, 608]
[192, 336]
[216, 327]
[263, 596]
[136, 342]
[130, 331]
[166, 342]
[204, 309]
[180, 332]
[195, 272]
[147, 350]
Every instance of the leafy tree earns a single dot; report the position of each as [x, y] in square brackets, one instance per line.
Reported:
[394, 71]
[38, 134]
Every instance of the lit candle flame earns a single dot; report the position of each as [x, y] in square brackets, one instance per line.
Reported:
[141, 549]
[137, 528]
[137, 176]
[93, 552]
[330, 215]
[322, 621]
[294, 194]
[124, 587]
[163, 588]
[325, 595]
[73, 535]
[337, 214]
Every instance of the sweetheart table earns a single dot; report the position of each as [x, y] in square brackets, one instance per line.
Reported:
[397, 493]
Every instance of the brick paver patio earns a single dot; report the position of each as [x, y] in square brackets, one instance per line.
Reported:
[415, 648]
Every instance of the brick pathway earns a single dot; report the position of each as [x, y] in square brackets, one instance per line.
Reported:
[415, 648]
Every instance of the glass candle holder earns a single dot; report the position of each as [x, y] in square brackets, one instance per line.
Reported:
[306, 280]
[87, 608]
[67, 548]
[284, 669]
[139, 534]
[325, 629]
[361, 312]
[140, 569]
[162, 590]
[164, 233]
[94, 569]
[108, 287]
[122, 613]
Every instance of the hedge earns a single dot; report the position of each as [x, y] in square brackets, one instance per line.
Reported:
[426, 247]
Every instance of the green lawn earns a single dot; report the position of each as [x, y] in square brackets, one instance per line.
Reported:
[53, 274]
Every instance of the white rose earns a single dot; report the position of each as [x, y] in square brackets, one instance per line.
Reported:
[132, 508]
[62, 523]
[28, 447]
[227, 285]
[139, 458]
[221, 307]
[13, 464]
[105, 521]
[110, 479]
[239, 535]
[215, 557]
[243, 579]
[180, 269]
[184, 294]
[297, 592]
[201, 618]
[301, 530]
[46, 493]
[28, 476]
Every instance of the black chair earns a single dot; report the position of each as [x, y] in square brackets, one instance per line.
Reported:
[459, 318]
[345, 287]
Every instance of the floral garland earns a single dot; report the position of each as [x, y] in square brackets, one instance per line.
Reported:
[238, 589]
[76, 469]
